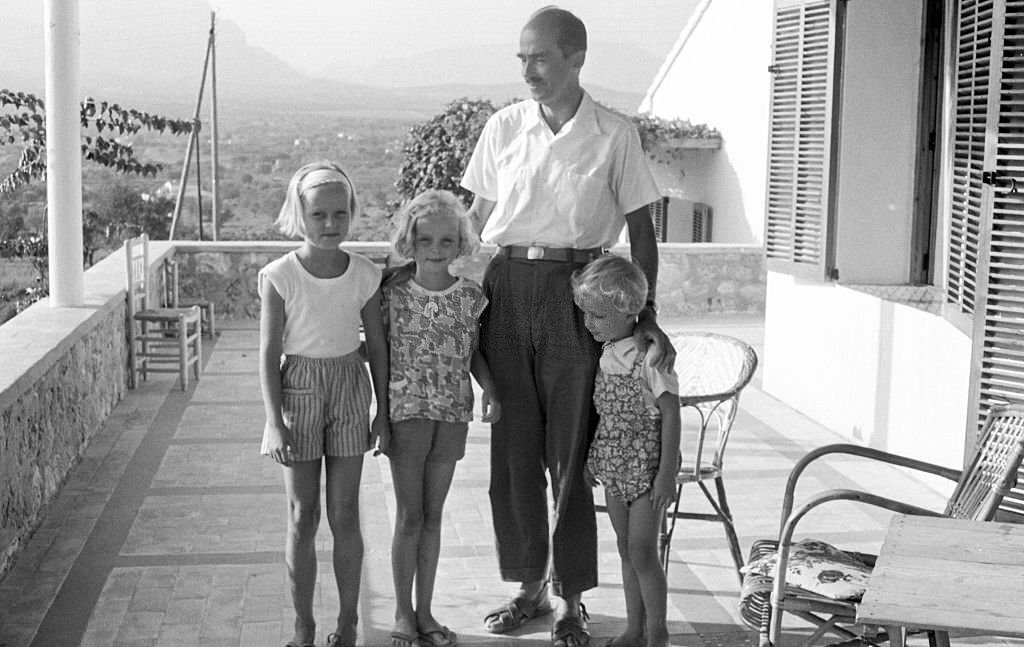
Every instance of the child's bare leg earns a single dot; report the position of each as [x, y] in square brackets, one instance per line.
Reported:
[343, 476]
[633, 636]
[408, 482]
[437, 480]
[644, 526]
[302, 487]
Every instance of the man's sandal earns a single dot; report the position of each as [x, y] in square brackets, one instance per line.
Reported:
[571, 631]
[517, 612]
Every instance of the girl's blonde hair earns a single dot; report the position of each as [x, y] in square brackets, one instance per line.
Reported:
[289, 220]
[433, 202]
[610, 281]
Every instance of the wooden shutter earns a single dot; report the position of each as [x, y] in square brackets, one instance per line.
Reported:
[998, 348]
[801, 141]
[701, 222]
[659, 216]
[973, 55]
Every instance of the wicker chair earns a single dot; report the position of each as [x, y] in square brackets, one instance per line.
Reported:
[981, 488]
[713, 369]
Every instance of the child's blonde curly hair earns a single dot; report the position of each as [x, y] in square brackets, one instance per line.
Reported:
[610, 282]
[431, 203]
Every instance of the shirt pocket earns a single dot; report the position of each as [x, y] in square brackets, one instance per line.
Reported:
[579, 194]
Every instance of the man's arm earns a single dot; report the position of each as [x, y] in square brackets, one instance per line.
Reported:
[479, 212]
[643, 247]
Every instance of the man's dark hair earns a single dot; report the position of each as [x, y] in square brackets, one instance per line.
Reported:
[572, 33]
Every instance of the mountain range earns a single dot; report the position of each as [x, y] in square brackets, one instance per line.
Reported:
[158, 68]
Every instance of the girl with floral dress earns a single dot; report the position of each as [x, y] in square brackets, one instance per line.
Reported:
[432, 323]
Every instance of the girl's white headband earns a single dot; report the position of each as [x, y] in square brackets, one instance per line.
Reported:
[322, 176]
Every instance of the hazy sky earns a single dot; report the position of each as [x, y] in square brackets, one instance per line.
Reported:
[312, 35]
[362, 32]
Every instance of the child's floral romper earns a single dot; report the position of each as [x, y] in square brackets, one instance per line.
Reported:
[626, 451]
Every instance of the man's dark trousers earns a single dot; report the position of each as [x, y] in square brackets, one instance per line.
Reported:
[544, 361]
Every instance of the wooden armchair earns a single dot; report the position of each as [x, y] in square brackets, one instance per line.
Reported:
[990, 475]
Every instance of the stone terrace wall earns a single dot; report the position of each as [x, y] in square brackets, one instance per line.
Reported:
[63, 371]
[693, 280]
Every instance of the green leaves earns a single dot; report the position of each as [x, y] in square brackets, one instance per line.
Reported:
[22, 118]
[435, 153]
[655, 130]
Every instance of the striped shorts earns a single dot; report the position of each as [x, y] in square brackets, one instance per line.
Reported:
[326, 405]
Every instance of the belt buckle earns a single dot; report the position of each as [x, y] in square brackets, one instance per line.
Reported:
[534, 253]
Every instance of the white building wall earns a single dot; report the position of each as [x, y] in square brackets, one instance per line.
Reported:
[879, 373]
[718, 75]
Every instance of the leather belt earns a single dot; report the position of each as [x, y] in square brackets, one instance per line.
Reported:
[562, 254]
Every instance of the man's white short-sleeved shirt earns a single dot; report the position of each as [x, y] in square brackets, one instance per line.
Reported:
[569, 189]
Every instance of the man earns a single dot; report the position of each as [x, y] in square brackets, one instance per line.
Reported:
[554, 179]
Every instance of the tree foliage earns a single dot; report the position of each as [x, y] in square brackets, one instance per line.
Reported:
[23, 122]
[435, 153]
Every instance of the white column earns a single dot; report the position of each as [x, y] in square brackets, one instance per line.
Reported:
[63, 153]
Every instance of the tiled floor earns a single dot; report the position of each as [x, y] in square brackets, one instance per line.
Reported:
[170, 532]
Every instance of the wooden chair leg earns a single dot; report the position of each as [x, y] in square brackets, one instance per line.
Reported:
[183, 352]
[212, 319]
[199, 345]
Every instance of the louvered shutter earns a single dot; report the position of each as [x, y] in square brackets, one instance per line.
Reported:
[998, 348]
[659, 216]
[971, 95]
[800, 136]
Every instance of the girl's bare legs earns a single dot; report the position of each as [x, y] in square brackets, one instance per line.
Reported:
[644, 526]
[633, 636]
[343, 476]
[420, 493]
[436, 483]
[408, 481]
[302, 487]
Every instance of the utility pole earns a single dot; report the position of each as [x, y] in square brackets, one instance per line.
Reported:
[215, 153]
[193, 141]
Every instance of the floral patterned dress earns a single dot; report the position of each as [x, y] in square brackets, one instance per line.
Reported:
[626, 451]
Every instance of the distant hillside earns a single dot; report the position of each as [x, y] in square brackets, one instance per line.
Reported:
[157, 66]
[624, 66]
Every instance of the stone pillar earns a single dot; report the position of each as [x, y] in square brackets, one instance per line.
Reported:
[63, 153]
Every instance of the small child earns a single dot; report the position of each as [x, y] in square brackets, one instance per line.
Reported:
[315, 390]
[432, 329]
[635, 452]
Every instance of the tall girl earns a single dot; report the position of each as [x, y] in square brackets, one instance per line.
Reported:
[432, 329]
[315, 388]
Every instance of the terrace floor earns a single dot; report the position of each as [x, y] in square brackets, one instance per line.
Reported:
[170, 531]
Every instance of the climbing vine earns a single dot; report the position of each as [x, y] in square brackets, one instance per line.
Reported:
[656, 130]
[23, 122]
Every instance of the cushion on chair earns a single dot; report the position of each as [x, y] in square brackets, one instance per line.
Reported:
[818, 567]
